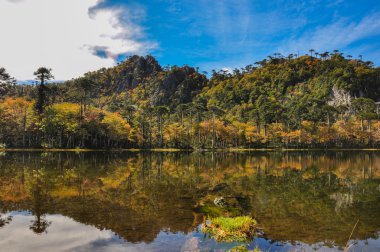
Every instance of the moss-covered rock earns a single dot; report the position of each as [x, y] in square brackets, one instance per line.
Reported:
[215, 206]
[240, 248]
[238, 229]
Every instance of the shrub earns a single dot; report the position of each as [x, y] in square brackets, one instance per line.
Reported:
[238, 229]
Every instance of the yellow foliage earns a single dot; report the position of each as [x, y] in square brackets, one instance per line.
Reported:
[376, 131]
[118, 128]
[294, 135]
[326, 134]
[276, 132]
[65, 115]
[251, 134]
[174, 133]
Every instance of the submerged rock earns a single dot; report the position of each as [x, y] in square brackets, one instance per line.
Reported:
[219, 187]
[220, 202]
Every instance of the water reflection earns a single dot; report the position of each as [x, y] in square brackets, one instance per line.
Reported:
[301, 199]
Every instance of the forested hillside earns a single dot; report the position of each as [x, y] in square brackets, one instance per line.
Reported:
[317, 100]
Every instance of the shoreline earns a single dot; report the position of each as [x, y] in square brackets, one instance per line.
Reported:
[185, 150]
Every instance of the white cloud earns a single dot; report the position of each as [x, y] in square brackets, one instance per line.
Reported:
[227, 70]
[62, 35]
[65, 234]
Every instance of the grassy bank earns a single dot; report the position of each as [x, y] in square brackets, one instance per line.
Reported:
[185, 150]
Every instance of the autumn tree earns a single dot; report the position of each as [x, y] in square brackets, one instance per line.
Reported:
[364, 108]
[214, 109]
[160, 112]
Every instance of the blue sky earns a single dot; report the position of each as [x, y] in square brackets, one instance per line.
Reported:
[204, 33]
[233, 33]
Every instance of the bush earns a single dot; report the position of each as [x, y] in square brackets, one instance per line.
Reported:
[238, 229]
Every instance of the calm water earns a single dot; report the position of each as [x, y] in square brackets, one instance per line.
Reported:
[142, 201]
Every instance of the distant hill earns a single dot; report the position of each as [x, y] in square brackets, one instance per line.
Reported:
[271, 103]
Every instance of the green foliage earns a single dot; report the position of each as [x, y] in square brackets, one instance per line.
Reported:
[295, 102]
[238, 229]
[364, 108]
[42, 74]
[243, 248]
[240, 248]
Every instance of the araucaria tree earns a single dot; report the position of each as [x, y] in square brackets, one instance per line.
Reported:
[43, 75]
[318, 100]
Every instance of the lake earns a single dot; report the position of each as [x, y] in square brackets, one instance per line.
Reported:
[157, 201]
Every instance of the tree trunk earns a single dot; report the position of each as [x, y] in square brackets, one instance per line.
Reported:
[265, 130]
[328, 122]
[160, 129]
[369, 126]
[213, 130]
[24, 129]
[191, 128]
[361, 125]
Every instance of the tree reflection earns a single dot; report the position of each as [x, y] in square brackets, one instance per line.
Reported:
[39, 225]
[306, 197]
[5, 220]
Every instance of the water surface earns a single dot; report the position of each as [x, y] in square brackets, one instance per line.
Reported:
[151, 201]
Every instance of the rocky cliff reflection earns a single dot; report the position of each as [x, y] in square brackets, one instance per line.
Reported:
[307, 197]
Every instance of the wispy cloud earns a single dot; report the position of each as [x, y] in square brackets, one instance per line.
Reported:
[229, 28]
[337, 35]
[235, 33]
[73, 36]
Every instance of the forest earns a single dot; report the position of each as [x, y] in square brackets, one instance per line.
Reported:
[317, 100]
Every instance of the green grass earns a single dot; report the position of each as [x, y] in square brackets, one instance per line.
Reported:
[239, 249]
[243, 248]
[238, 229]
